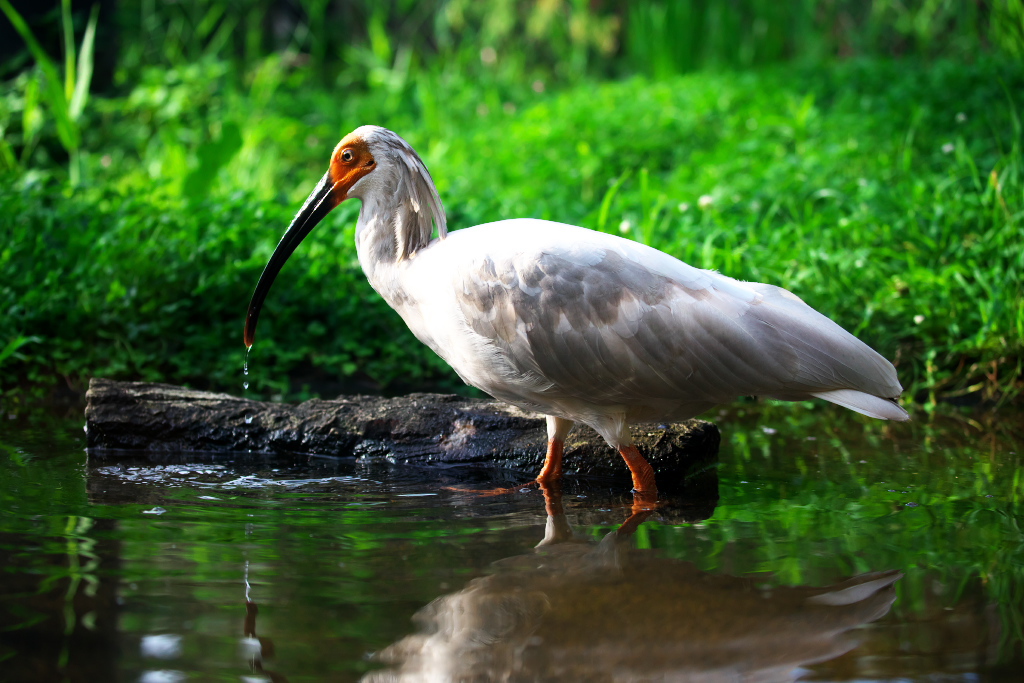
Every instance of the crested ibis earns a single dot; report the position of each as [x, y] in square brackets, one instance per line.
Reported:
[575, 324]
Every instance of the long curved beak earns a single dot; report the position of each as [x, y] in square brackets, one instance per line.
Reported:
[318, 204]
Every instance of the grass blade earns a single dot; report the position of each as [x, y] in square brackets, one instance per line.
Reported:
[11, 348]
[85, 63]
[609, 197]
[68, 25]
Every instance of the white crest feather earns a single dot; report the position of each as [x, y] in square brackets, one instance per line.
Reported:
[408, 180]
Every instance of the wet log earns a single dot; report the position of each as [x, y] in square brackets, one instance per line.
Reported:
[440, 430]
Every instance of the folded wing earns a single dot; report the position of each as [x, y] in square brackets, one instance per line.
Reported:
[612, 322]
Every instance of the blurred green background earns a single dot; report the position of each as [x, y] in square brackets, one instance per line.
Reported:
[865, 154]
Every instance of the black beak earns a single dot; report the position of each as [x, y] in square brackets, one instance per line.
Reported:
[318, 204]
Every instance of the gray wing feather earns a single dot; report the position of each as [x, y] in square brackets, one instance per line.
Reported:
[614, 332]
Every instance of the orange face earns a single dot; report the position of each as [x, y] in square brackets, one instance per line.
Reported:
[350, 161]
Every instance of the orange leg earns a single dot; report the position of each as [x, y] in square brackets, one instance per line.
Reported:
[558, 429]
[645, 490]
[551, 472]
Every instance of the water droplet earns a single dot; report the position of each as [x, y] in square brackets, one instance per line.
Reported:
[911, 505]
[245, 371]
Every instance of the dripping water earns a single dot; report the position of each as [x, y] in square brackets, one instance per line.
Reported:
[245, 384]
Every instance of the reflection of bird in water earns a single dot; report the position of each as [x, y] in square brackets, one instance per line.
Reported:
[257, 648]
[254, 647]
[575, 324]
[572, 611]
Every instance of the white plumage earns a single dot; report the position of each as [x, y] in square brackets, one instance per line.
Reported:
[575, 324]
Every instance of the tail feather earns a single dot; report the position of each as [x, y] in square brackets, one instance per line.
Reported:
[827, 356]
[830, 363]
[865, 404]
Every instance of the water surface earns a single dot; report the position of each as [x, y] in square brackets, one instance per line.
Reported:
[840, 549]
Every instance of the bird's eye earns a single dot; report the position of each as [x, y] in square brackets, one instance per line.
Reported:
[346, 155]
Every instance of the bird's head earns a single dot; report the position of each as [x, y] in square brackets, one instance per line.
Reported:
[369, 160]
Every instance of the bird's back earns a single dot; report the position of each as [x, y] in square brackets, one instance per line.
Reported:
[554, 315]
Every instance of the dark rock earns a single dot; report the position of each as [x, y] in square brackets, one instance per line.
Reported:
[419, 429]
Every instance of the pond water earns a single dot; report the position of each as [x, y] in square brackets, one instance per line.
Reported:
[840, 549]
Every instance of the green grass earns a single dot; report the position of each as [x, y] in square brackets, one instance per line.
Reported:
[887, 194]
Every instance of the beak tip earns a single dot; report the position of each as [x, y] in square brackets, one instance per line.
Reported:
[249, 334]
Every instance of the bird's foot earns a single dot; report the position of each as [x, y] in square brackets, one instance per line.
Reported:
[645, 500]
[489, 493]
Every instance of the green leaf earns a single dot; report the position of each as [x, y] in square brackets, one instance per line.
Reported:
[85, 65]
[68, 25]
[12, 346]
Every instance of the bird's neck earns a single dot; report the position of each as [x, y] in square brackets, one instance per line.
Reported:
[375, 239]
[400, 207]
[378, 245]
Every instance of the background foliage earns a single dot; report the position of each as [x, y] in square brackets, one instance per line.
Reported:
[865, 154]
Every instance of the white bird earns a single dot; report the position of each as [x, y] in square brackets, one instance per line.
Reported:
[575, 324]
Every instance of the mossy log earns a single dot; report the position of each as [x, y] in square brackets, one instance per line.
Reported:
[440, 430]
